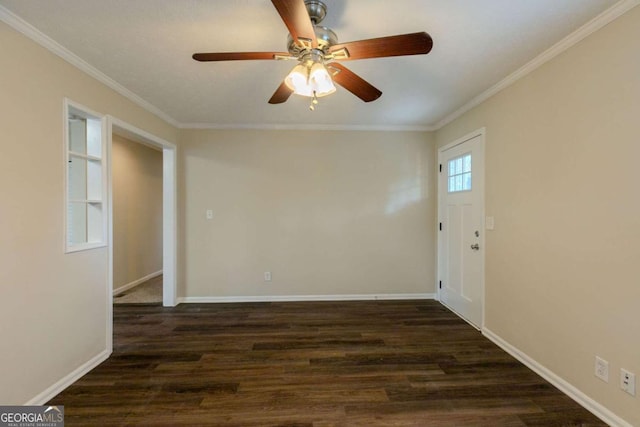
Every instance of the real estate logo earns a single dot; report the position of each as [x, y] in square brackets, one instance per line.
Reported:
[31, 416]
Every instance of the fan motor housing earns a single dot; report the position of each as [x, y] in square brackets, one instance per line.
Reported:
[317, 10]
[325, 36]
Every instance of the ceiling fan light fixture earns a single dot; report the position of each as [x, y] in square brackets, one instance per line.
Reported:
[310, 81]
[312, 45]
[320, 80]
[298, 81]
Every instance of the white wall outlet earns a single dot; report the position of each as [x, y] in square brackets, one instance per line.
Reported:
[628, 381]
[209, 214]
[602, 369]
[267, 276]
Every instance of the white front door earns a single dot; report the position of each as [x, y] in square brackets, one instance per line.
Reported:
[461, 231]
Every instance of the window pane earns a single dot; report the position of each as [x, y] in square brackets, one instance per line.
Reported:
[94, 137]
[77, 135]
[94, 222]
[77, 178]
[77, 223]
[460, 173]
[458, 182]
[467, 163]
[94, 180]
[466, 185]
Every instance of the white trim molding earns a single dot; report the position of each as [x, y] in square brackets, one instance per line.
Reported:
[307, 127]
[564, 386]
[572, 39]
[298, 298]
[69, 379]
[135, 283]
[47, 42]
[169, 206]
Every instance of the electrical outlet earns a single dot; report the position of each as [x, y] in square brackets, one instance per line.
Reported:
[628, 381]
[267, 276]
[602, 369]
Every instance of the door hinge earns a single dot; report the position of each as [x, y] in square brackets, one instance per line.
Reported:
[440, 226]
[440, 167]
[440, 284]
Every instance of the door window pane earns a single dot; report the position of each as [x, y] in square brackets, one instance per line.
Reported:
[459, 174]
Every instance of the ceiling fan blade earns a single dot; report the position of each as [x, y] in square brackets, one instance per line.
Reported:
[405, 44]
[296, 18]
[281, 94]
[353, 83]
[236, 56]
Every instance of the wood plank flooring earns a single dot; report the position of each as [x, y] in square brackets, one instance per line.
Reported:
[312, 364]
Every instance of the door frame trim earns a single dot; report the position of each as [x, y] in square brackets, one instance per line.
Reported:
[169, 213]
[440, 256]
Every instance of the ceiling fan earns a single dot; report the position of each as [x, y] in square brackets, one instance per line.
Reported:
[316, 49]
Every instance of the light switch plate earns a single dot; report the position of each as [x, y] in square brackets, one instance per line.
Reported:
[489, 223]
[209, 214]
[602, 369]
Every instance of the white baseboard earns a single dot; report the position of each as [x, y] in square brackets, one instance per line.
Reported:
[135, 283]
[66, 381]
[588, 403]
[294, 298]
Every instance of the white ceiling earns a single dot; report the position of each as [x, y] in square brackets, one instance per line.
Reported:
[146, 46]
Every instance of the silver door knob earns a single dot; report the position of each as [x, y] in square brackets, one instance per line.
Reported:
[475, 246]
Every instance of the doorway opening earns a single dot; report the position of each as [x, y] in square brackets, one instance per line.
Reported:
[136, 181]
[166, 244]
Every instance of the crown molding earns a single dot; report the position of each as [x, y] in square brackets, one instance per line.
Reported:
[617, 10]
[48, 43]
[311, 127]
[572, 39]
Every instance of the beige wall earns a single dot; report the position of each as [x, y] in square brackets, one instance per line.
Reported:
[137, 211]
[339, 213]
[53, 310]
[328, 213]
[562, 150]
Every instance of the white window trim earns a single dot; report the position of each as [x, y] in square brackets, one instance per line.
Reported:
[67, 106]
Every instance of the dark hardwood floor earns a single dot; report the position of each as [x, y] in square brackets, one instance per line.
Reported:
[378, 363]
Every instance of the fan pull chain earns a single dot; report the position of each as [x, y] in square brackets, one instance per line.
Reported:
[314, 102]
